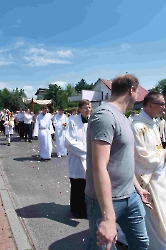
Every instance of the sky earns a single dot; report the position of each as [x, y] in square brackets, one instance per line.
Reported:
[61, 42]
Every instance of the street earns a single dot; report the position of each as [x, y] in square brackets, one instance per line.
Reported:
[40, 195]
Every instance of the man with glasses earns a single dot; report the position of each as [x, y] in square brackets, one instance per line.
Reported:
[150, 166]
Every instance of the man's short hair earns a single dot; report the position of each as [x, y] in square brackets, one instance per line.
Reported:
[151, 97]
[121, 84]
[82, 102]
[44, 107]
[61, 108]
[74, 109]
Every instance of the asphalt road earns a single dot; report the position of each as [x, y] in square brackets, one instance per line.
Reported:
[40, 191]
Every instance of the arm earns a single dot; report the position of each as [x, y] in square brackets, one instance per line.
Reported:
[142, 192]
[100, 155]
[72, 144]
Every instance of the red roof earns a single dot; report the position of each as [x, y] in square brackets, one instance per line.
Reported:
[141, 91]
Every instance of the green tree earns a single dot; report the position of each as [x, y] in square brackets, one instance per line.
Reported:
[83, 85]
[160, 86]
[6, 98]
[70, 89]
[53, 93]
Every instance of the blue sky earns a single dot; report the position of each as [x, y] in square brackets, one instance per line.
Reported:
[51, 41]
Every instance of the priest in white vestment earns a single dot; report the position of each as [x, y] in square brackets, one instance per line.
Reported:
[150, 167]
[43, 129]
[60, 121]
[75, 142]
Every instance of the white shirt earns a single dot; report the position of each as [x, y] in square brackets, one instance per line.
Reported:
[20, 117]
[27, 118]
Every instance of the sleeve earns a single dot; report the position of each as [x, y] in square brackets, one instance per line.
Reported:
[74, 146]
[103, 126]
[36, 128]
[51, 127]
[147, 153]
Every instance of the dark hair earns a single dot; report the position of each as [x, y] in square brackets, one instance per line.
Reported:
[82, 102]
[151, 97]
[61, 108]
[44, 107]
[74, 109]
[121, 84]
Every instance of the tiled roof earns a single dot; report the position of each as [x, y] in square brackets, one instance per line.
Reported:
[141, 91]
[108, 83]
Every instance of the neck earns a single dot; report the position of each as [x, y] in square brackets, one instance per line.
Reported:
[148, 112]
[120, 102]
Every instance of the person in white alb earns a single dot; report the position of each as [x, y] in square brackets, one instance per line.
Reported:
[28, 125]
[73, 115]
[44, 129]
[60, 121]
[75, 142]
[150, 158]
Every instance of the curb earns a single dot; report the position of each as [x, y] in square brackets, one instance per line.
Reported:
[20, 236]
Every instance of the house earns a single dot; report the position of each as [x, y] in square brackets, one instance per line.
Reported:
[101, 92]
[40, 93]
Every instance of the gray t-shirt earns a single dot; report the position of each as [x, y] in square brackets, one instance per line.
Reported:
[107, 123]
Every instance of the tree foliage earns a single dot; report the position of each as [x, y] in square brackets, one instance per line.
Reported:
[161, 86]
[59, 95]
[83, 85]
[11, 100]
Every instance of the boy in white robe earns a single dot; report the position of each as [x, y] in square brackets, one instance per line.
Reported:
[43, 129]
[9, 127]
[73, 115]
[150, 167]
[75, 142]
[60, 121]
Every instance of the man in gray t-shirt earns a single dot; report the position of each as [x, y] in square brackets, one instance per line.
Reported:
[108, 124]
[110, 180]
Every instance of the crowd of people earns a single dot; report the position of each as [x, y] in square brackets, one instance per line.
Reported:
[116, 166]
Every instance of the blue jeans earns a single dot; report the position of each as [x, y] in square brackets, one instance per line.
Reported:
[130, 215]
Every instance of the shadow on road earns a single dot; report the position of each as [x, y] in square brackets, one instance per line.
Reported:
[52, 211]
[33, 158]
[74, 241]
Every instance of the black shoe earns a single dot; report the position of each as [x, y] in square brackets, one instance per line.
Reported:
[79, 216]
[30, 140]
[8, 144]
[42, 159]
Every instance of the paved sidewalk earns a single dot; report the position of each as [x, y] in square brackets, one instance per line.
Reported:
[6, 237]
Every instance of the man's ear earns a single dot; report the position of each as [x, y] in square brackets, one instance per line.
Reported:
[131, 90]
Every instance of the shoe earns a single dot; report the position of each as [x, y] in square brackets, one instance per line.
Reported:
[42, 159]
[30, 140]
[8, 144]
[59, 156]
[79, 216]
[26, 140]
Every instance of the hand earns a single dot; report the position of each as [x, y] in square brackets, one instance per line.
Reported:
[144, 197]
[106, 233]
